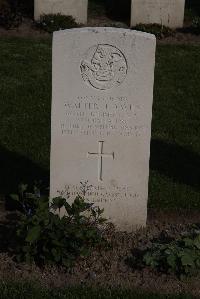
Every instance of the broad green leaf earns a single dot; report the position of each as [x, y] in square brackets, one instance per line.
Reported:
[22, 188]
[58, 202]
[188, 242]
[197, 241]
[66, 262]
[198, 262]
[45, 249]
[14, 197]
[85, 252]
[187, 260]
[68, 208]
[150, 260]
[57, 243]
[33, 234]
[25, 248]
[30, 195]
[28, 258]
[171, 260]
[56, 254]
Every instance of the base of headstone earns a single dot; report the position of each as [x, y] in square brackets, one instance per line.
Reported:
[169, 13]
[75, 8]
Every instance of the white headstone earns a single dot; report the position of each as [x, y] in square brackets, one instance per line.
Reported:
[76, 8]
[165, 12]
[101, 119]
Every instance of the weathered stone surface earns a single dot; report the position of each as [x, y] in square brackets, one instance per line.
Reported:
[101, 119]
[166, 12]
[76, 8]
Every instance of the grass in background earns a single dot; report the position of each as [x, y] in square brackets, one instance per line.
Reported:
[14, 290]
[25, 97]
[175, 147]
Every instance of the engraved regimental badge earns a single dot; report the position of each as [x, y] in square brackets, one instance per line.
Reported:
[104, 67]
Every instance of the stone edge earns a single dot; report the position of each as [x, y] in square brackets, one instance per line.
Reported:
[105, 30]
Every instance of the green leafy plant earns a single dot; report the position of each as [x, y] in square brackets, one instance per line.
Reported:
[160, 31]
[181, 256]
[55, 22]
[196, 25]
[45, 236]
[26, 199]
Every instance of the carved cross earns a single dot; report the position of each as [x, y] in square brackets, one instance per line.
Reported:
[100, 155]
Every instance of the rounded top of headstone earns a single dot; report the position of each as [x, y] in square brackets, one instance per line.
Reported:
[96, 30]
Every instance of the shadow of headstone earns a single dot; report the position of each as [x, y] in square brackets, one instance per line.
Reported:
[15, 169]
[116, 10]
[119, 10]
[176, 162]
[193, 5]
[8, 233]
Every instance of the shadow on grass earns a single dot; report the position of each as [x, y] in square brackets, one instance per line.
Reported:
[119, 10]
[26, 7]
[175, 162]
[193, 5]
[15, 169]
[116, 10]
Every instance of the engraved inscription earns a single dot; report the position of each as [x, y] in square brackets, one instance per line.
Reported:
[160, 5]
[101, 193]
[101, 117]
[104, 67]
[100, 155]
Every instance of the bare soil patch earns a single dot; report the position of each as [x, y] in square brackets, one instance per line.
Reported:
[27, 29]
[181, 38]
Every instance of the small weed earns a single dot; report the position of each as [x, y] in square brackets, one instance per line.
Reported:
[178, 256]
[196, 25]
[46, 237]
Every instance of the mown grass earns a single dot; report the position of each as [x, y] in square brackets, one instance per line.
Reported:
[25, 97]
[175, 147]
[17, 290]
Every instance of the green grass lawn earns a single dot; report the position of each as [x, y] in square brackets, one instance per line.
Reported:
[25, 97]
[32, 291]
